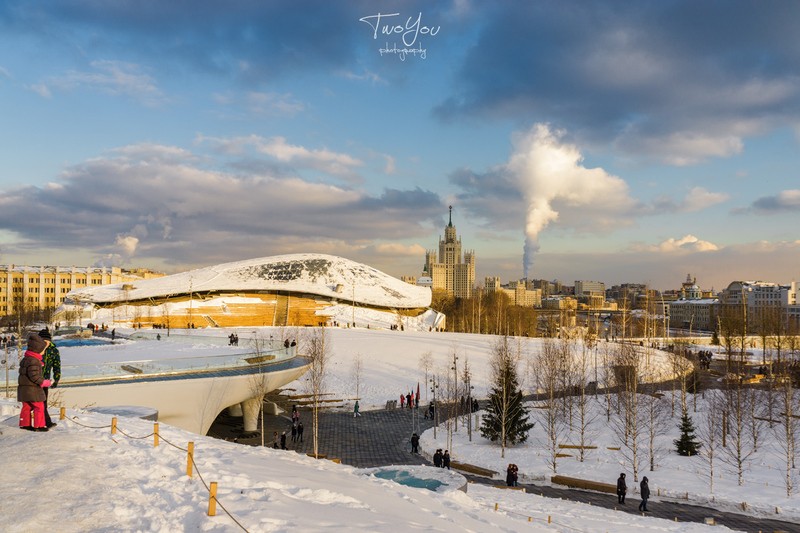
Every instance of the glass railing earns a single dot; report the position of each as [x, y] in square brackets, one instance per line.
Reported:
[180, 365]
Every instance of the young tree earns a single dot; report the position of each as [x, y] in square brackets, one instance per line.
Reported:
[549, 413]
[687, 444]
[736, 449]
[258, 382]
[318, 351]
[709, 434]
[358, 373]
[426, 365]
[630, 424]
[506, 418]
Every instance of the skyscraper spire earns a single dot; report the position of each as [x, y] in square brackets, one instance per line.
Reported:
[451, 217]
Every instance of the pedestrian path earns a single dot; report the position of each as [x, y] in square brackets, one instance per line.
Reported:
[382, 437]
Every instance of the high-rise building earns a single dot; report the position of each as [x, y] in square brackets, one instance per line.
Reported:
[451, 273]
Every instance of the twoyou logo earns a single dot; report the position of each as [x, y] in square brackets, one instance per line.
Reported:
[410, 32]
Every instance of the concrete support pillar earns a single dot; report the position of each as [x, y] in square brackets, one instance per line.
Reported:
[250, 408]
[235, 409]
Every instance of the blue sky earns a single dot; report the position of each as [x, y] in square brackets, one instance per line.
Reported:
[611, 141]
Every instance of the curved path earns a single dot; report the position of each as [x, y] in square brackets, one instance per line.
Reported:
[381, 437]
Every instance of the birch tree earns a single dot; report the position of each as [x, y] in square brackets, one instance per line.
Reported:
[318, 352]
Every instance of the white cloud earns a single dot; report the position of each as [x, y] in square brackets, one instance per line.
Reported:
[699, 198]
[116, 78]
[687, 243]
[41, 89]
[334, 163]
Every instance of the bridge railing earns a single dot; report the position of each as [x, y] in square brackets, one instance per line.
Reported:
[177, 365]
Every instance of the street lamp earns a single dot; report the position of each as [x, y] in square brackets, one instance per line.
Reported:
[434, 387]
[455, 388]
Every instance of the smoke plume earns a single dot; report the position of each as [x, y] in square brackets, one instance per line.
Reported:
[552, 180]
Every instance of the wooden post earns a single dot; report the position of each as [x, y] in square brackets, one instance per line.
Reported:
[155, 434]
[495, 506]
[62, 414]
[189, 459]
[114, 426]
[212, 499]
[549, 519]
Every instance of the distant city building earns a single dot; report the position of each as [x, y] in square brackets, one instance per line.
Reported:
[26, 288]
[760, 301]
[520, 292]
[693, 309]
[586, 288]
[450, 273]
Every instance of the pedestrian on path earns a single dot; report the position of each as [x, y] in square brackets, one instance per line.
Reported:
[355, 410]
[300, 431]
[644, 489]
[414, 443]
[294, 431]
[446, 460]
[622, 488]
[402, 401]
[437, 458]
[283, 441]
[275, 440]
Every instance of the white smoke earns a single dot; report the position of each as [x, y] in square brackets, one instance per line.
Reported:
[549, 173]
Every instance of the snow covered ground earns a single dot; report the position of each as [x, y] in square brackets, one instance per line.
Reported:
[390, 366]
[76, 478]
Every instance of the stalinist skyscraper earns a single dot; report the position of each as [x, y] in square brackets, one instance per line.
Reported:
[453, 275]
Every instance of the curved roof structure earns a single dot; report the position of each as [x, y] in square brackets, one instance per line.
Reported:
[317, 274]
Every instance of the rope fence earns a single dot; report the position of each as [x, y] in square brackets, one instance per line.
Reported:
[529, 518]
[191, 465]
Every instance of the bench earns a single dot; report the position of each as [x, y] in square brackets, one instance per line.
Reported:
[472, 469]
[576, 483]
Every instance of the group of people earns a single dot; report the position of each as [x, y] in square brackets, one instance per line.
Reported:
[512, 474]
[233, 339]
[644, 491]
[410, 400]
[441, 460]
[297, 426]
[10, 340]
[704, 359]
[39, 370]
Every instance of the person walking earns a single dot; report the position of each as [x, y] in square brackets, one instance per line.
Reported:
[300, 431]
[622, 488]
[275, 440]
[644, 489]
[51, 360]
[283, 441]
[30, 385]
[437, 458]
[414, 443]
[355, 410]
[510, 475]
[294, 431]
[446, 460]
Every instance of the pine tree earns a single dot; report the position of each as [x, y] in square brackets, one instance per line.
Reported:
[506, 418]
[687, 444]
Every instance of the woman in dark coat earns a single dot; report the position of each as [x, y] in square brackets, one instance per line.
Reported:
[644, 488]
[31, 381]
[622, 488]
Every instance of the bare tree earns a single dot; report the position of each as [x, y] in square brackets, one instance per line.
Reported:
[548, 412]
[630, 424]
[258, 382]
[318, 351]
[358, 373]
[736, 438]
[426, 365]
[581, 372]
[788, 430]
[709, 432]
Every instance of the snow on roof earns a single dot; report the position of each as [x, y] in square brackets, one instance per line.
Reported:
[323, 275]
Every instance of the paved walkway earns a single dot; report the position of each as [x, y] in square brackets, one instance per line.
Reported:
[382, 437]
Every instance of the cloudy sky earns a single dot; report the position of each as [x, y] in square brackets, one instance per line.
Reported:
[610, 141]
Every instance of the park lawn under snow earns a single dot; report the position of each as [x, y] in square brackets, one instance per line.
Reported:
[76, 478]
[391, 366]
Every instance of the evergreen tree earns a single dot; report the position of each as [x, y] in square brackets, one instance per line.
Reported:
[687, 444]
[506, 418]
